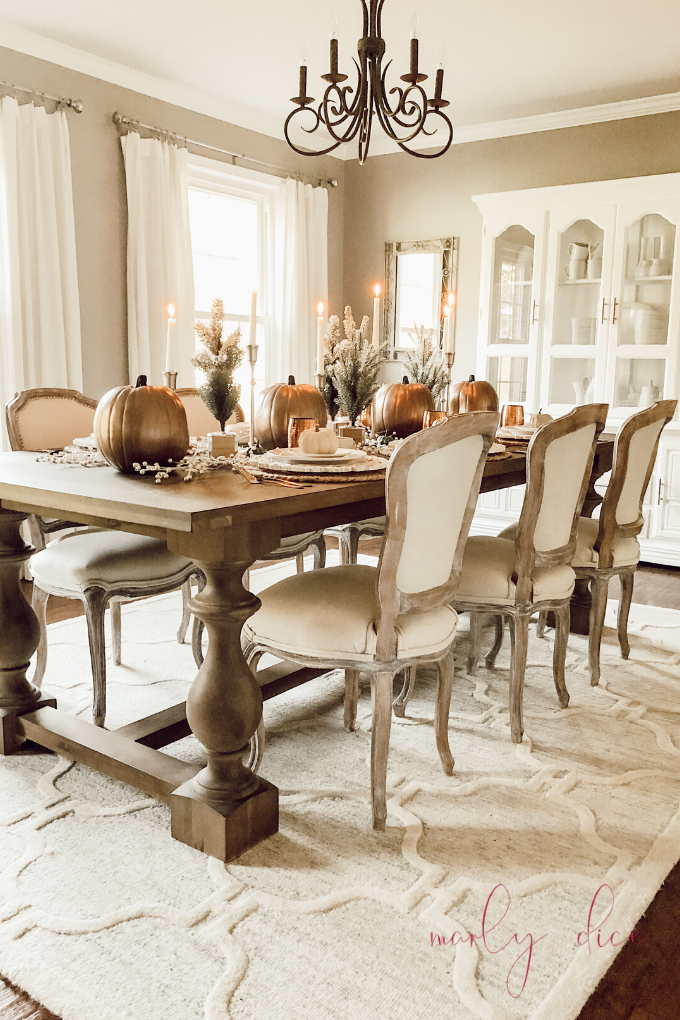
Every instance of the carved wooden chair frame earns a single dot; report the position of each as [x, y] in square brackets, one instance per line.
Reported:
[528, 558]
[394, 603]
[609, 530]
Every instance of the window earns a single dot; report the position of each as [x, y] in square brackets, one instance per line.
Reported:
[230, 215]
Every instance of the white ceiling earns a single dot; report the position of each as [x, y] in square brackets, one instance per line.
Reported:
[503, 60]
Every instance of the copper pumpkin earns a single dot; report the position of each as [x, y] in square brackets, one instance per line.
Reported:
[279, 403]
[473, 395]
[399, 408]
[141, 423]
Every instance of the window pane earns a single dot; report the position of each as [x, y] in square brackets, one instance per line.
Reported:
[224, 240]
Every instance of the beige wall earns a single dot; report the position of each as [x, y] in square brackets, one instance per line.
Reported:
[100, 205]
[399, 197]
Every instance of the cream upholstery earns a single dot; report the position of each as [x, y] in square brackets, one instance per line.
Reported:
[489, 566]
[334, 612]
[564, 461]
[104, 558]
[293, 540]
[641, 447]
[199, 418]
[437, 491]
[52, 422]
[626, 550]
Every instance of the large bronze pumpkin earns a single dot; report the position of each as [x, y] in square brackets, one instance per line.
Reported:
[473, 395]
[141, 423]
[399, 408]
[281, 402]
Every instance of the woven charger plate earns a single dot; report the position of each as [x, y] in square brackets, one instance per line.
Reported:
[262, 467]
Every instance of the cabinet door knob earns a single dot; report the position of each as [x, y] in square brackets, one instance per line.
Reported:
[533, 312]
[604, 305]
[614, 312]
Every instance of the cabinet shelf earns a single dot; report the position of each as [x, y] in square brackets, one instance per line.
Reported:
[637, 280]
[580, 283]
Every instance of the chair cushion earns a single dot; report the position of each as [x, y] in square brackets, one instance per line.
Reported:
[104, 557]
[488, 569]
[333, 612]
[293, 540]
[626, 550]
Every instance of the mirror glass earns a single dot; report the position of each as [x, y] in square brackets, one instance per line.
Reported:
[419, 276]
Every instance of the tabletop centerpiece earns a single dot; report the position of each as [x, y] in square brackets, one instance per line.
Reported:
[218, 359]
[356, 365]
[425, 363]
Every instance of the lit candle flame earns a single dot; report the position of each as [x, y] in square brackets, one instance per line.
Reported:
[171, 311]
[451, 298]
[377, 290]
[319, 308]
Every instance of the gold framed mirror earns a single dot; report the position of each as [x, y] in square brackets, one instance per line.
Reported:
[419, 276]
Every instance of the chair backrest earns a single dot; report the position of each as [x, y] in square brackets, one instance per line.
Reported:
[431, 489]
[634, 455]
[199, 418]
[559, 463]
[48, 419]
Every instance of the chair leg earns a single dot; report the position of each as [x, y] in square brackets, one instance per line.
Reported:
[319, 552]
[627, 582]
[541, 623]
[300, 563]
[349, 547]
[256, 748]
[475, 641]
[351, 698]
[402, 699]
[95, 600]
[519, 639]
[381, 684]
[39, 602]
[186, 612]
[562, 619]
[197, 641]
[490, 659]
[598, 608]
[441, 712]
[115, 633]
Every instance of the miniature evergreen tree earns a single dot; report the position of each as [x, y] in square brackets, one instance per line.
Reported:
[355, 374]
[218, 359]
[331, 346]
[424, 364]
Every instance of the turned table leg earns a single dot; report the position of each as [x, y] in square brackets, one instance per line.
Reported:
[225, 809]
[19, 634]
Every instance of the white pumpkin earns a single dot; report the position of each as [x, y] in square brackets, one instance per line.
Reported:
[537, 419]
[318, 441]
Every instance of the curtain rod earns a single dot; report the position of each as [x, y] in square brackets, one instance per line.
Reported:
[120, 121]
[75, 104]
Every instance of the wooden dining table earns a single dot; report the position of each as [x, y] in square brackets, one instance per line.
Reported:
[224, 524]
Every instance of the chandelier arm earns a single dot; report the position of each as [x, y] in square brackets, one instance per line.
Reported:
[304, 152]
[378, 17]
[365, 7]
[408, 108]
[351, 131]
[360, 84]
[439, 152]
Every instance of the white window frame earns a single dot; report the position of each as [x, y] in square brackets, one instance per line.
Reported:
[217, 177]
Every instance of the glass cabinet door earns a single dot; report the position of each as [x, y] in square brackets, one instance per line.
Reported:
[513, 262]
[580, 253]
[645, 320]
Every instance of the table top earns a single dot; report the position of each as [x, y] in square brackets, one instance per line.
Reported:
[218, 500]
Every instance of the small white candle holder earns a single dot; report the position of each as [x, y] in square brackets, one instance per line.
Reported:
[170, 380]
[449, 357]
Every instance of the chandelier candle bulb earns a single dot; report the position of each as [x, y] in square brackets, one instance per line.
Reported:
[170, 354]
[319, 340]
[376, 318]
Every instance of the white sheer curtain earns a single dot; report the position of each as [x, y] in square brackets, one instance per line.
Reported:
[300, 280]
[39, 303]
[159, 261]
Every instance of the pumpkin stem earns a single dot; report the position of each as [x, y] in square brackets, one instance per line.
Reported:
[471, 379]
[291, 380]
[141, 381]
[405, 380]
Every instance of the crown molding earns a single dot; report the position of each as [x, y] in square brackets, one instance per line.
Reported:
[188, 97]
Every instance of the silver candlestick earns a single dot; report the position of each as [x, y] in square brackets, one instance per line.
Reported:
[252, 361]
[170, 380]
[320, 381]
[449, 357]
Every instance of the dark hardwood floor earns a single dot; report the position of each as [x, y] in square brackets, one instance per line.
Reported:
[642, 983]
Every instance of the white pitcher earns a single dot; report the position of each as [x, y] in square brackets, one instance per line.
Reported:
[581, 389]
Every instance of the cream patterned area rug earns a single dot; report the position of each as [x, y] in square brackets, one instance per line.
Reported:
[469, 907]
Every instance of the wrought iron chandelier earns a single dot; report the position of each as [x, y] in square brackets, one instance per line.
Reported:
[347, 113]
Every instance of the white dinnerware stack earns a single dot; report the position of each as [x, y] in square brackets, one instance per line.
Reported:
[650, 326]
[584, 331]
[576, 268]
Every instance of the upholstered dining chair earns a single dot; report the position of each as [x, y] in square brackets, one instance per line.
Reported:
[516, 574]
[94, 565]
[609, 546]
[382, 619]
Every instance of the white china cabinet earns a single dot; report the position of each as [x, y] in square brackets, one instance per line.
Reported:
[579, 303]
